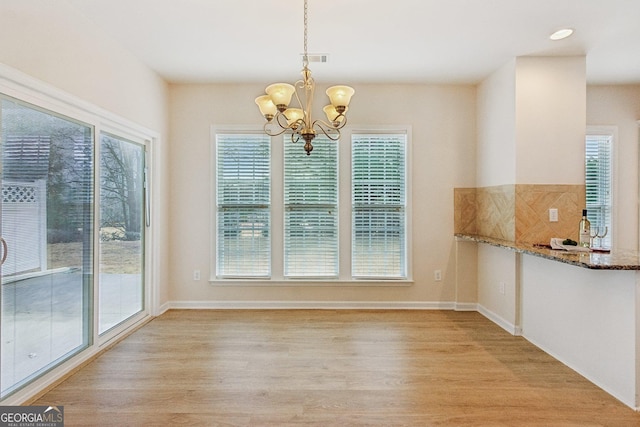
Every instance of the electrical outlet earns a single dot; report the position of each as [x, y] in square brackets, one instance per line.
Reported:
[196, 274]
[503, 287]
[553, 215]
[437, 275]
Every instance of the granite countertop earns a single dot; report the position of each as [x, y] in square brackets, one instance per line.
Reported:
[615, 260]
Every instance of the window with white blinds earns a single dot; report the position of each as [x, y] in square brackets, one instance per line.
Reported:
[598, 184]
[282, 215]
[311, 210]
[243, 182]
[378, 206]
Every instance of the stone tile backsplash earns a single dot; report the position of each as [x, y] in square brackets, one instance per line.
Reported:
[496, 212]
[465, 211]
[519, 212]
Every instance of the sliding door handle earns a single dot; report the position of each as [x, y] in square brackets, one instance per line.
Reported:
[5, 250]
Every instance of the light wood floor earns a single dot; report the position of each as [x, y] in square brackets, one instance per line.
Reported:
[329, 368]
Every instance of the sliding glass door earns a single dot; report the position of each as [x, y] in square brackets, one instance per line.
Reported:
[47, 224]
[54, 231]
[122, 218]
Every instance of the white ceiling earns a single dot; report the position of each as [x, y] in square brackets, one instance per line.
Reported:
[369, 41]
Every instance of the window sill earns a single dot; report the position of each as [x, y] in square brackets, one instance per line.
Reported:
[312, 283]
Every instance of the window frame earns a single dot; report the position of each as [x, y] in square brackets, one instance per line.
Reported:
[612, 132]
[214, 208]
[314, 211]
[344, 277]
[380, 207]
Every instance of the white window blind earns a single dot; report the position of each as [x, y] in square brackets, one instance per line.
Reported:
[378, 206]
[243, 182]
[311, 210]
[598, 184]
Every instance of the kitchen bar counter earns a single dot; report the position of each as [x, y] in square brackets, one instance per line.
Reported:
[616, 260]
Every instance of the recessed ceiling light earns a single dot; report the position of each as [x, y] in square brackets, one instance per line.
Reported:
[561, 34]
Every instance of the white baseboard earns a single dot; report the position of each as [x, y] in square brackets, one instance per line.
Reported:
[340, 305]
[466, 306]
[163, 308]
[507, 326]
[320, 305]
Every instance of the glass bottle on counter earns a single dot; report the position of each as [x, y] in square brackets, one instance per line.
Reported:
[585, 230]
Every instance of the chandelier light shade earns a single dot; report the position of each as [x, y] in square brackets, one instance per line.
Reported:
[280, 94]
[340, 96]
[280, 118]
[333, 115]
[267, 107]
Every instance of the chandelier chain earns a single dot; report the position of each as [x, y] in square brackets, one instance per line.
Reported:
[305, 58]
[274, 106]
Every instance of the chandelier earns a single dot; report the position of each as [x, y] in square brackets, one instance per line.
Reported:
[274, 106]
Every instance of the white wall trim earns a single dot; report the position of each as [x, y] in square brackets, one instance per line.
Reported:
[318, 305]
[163, 308]
[310, 283]
[20, 85]
[507, 326]
[466, 306]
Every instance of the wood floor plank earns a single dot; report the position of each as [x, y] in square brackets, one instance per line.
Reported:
[325, 367]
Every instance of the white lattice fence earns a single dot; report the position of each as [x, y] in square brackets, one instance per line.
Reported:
[24, 226]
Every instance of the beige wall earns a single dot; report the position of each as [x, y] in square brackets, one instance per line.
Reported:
[496, 121]
[442, 129]
[550, 120]
[51, 42]
[534, 136]
[497, 285]
[619, 106]
[442, 119]
[531, 120]
[67, 52]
